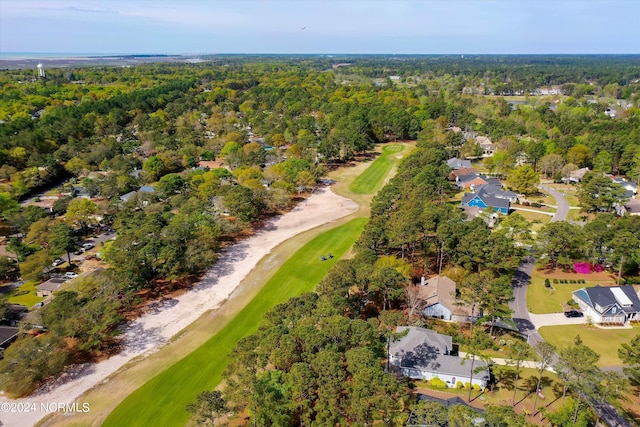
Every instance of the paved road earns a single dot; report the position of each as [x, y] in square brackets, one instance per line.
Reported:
[562, 205]
[523, 276]
[96, 241]
[522, 318]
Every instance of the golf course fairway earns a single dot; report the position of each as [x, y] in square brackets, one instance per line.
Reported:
[372, 178]
[161, 401]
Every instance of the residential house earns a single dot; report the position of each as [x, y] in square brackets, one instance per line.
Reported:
[145, 189]
[632, 207]
[466, 181]
[425, 354]
[488, 149]
[483, 200]
[461, 172]
[455, 163]
[630, 187]
[81, 192]
[416, 420]
[439, 296]
[577, 175]
[609, 304]
[610, 112]
[210, 164]
[8, 334]
[47, 288]
[496, 191]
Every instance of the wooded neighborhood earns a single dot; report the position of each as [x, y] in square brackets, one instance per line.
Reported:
[123, 188]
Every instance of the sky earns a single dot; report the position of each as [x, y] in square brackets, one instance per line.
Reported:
[320, 27]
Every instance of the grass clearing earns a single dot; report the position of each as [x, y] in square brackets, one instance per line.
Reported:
[25, 295]
[605, 342]
[161, 400]
[535, 216]
[541, 300]
[372, 178]
[502, 392]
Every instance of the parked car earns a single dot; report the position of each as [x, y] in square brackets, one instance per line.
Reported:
[70, 275]
[573, 313]
[87, 246]
[57, 262]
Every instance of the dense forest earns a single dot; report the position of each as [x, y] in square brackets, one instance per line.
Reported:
[230, 141]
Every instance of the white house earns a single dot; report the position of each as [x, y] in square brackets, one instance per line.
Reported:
[439, 296]
[609, 304]
[627, 185]
[425, 354]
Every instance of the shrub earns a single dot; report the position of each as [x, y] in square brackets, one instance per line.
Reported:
[467, 385]
[459, 385]
[502, 342]
[476, 387]
[547, 283]
[437, 383]
[555, 281]
[535, 205]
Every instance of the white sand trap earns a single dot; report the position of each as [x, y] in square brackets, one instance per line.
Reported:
[148, 333]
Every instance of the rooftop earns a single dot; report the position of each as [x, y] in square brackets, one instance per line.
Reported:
[421, 339]
[51, 284]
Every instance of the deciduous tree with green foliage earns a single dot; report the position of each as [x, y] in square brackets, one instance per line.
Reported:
[523, 179]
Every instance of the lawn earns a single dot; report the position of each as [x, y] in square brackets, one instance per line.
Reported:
[372, 178]
[605, 342]
[502, 391]
[25, 295]
[160, 401]
[541, 300]
[540, 216]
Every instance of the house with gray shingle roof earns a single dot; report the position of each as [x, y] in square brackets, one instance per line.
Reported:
[50, 286]
[484, 200]
[497, 192]
[145, 189]
[425, 354]
[455, 163]
[631, 188]
[471, 180]
[609, 304]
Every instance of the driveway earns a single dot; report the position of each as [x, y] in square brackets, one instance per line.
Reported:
[96, 241]
[562, 205]
[554, 319]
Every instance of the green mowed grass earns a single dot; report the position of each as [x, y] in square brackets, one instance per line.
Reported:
[605, 342]
[541, 300]
[25, 295]
[162, 400]
[372, 178]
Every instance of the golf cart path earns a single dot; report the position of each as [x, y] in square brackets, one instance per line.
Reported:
[151, 331]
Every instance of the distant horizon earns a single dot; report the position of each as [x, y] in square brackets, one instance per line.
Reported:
[286, 27]
[78, 55]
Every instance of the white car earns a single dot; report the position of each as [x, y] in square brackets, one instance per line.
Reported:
[57, 262]
[87, 246]
[70, 275]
